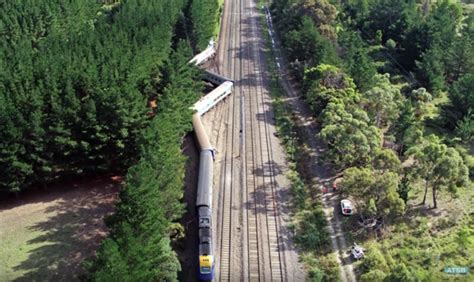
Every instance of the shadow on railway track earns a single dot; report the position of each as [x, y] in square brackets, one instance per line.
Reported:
[267, 115]
[269, 169]
[263, 205]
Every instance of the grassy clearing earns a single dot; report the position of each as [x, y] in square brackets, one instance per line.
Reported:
[309, 222]
[14, 240]
[217, 28]
[426, 240]
[45, 235]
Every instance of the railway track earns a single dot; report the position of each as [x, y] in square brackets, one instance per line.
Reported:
[251, 237]
[260, 120]
[228, 183]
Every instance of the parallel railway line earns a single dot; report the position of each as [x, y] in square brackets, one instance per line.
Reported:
[259, 100]
[247, 212]
[229, 165]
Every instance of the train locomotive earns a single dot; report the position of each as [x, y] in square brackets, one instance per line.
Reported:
[204, 209]
[204, 187]
[206, 162]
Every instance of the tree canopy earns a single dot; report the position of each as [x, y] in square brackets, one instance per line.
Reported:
[77, 83]
[439, 166]
[74, 85]
[375, 191]
[151, 200]
[204, 18]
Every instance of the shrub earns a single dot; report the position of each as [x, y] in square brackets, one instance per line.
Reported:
[374, 275]
[311, 230]
[375, 261]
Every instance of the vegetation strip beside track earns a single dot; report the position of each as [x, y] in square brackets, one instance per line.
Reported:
[217, 29]
[342, 97]
[307, 210]
[205, 16]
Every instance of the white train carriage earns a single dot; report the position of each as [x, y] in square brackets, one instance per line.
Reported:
[214, 97]
[205, 55]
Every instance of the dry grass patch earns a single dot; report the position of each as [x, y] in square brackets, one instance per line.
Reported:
[46, 234]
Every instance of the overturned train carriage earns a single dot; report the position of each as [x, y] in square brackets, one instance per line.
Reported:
[214, 97]
[214, 78]
[205, 55]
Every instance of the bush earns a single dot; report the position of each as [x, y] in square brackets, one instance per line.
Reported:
[315, 274]
[298, 190]
[374, 275]
[330, 266]
[375, 260]
[311, 233]
[323, 268]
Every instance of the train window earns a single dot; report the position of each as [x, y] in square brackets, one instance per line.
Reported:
[205, 269]
[204, 220]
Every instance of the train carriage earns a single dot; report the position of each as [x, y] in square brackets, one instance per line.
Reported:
[204, 187]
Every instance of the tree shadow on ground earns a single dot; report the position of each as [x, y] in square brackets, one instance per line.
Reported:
[188, 250]
[71, 233]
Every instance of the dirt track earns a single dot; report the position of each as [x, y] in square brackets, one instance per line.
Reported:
[320, 174]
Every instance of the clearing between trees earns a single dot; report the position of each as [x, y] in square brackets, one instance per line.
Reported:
[45, 235]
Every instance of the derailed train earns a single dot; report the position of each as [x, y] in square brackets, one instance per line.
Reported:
[205, 178]
[205, 55]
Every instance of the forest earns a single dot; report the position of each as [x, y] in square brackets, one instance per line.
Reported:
[95, 87]
[391, 86]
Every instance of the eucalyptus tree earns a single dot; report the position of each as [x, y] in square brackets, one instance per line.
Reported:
[374, 191]
[351, 138]
[439, 166]
[382, 102]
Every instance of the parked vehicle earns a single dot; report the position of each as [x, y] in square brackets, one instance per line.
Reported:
[346, 207]
[357, 251]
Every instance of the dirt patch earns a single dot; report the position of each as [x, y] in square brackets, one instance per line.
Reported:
[188, 250]
[46, 234]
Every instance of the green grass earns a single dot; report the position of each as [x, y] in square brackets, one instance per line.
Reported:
[14, 244]
[46, 237]
[217, 28]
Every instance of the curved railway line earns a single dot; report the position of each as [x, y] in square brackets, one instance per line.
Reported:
[250, 231]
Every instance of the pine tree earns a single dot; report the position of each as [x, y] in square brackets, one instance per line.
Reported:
[431, 70]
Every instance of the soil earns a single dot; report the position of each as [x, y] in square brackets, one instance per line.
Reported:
[45, 234]
[188, 249]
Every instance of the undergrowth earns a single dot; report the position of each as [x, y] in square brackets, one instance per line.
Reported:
[309, 223]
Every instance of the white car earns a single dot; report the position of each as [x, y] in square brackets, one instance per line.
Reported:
[357, 251]
[346, 207]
